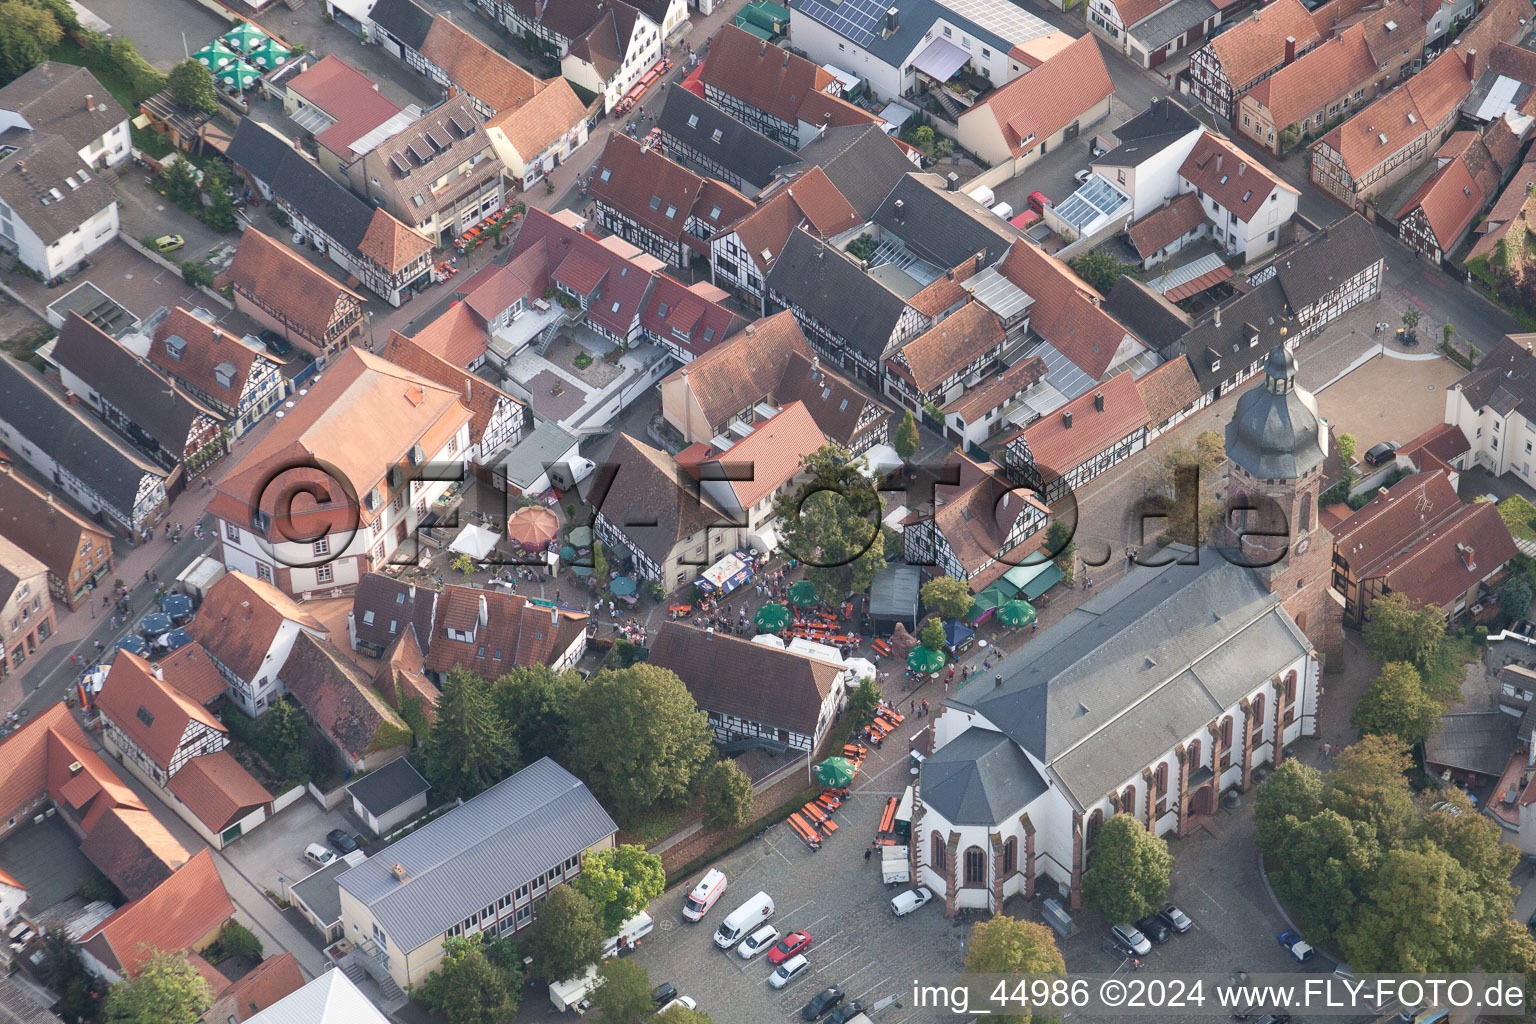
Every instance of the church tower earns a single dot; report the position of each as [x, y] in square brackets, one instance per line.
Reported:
[1276, 446]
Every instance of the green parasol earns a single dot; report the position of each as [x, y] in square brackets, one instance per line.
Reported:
[581, 536]
[244, 37]
[235, 77]
[622, 586]
[803, 594]
[272, 55]
[215, 56]
[925, 659]
[835, 771]
[772, 617]
[582, 570]
[1016, 613]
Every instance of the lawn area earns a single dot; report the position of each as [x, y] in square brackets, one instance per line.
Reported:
[1520, 516]
[99, 64]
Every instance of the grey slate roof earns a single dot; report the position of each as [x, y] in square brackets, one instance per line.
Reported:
[41, 165]
[1149, 133]
[1505, 379]
[1325, 260]
[862, 161]
[752, 156]
[404, 20]
[1150, 317]
[979, 778]
[383, 790]
[1478, 741]
[1264, 307]
[529, 458]
[1171, 21]
[1137, 669]
[893, 593]
[320, 892]
[1274, 431]
[52, 97]
[84, 449]
[137, 389]
[478, 853]
[832, 288]
[270, 158]
[916, 18]
[944, 228]
[393, 603]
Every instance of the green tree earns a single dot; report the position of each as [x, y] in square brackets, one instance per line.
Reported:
[219, 212]
[468, 750]
[863, 701]
[1007, 945]
[1396, 705]
[1293, 793]
[1423, 915]
[599, 564]
[181, 187]
[29, 33]
[1100, 269]
[1128, 870]
[620, 882]
[1061, 547]
[535, 703]
[566, 937]
[1401, 629]
[1410, 319]
[1515, 597]
[467, 988]
[61, 959]
[1475, 842]
[1325, 863]
[625, 994]
[1368, 783]
[191, 85]
[943, 148]
[235, 939]
[464, 565]
[727, 796]
[947, 597]
[637, 738]
[1346, 445]
[1448, 331]
[1181, 485]
[680, 1014]
[1509, 949]
[167, 990]
[932, 635]
[922, 138]
[906, 440]
[832, 524]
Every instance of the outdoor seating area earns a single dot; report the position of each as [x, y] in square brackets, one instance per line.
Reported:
[241, 56]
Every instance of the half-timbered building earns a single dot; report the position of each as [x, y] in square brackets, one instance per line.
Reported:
[1095, 431]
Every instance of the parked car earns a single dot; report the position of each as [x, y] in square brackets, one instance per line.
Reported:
[788, 946]
[821, 1002]
[1154, 928]
[1082, 176]
[904, 903]
[340, 841]
[789, 970]
[1040, 202]
[318, 855]
[687, 1001]
[1175, 918]
[664, 993]
[1292, 942]
[843, 1014]
[169, 243]
[276, 343]
[758, 941]
[1380, 453]
[1127, 937]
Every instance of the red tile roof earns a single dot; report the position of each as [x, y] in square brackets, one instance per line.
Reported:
[1445, 441]
[1438, 566]
[1255, 46]
[282, 279]
[476, 68]
[1451, 198]
[1391, 122]
[494, 289]
[271, 980]
[1065, 312]
[625, 280]
[133, 849]
[1168, 389]
[348, 97]
[978, 512]
[152, 713]
[1034, 107]
[1317, 78]
[644, 185]
[458, 336]
[1166, 224]
[672, 306]
[728, 378]
[480, 395]
[998, 391]
[240, 617]
[773, 450]
[182, 912]
[207, 347]
[339, 697]
[218, 790]
[391, 244]
[758, 73]
[1231, 177]
[822, 205]
[948, 291]
[539, 123]
[517, 633]
[1501, 21]
[948, 346]
[1058, 448]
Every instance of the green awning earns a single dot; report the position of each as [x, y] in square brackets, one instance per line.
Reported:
[1043, 582]
[751, 29]
[1021, 575]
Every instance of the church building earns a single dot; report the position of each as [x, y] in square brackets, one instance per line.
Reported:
[1155, 695]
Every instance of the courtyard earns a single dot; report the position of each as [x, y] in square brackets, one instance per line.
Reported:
[1389, 399]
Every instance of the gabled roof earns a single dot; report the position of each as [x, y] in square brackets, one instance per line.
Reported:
[17, 567]
[403, 19]
[948, 291]
[757, 683]
[133, 849]
[693, 121]
[152, 713]
[193, 674]
[481, 396]
[673, 307]
[392, 244]
[240, 617]
[476, 853]
[1443, 565]
[834, 403]
[942, 226]
[517, 633]
[1064, 312]
[207, 349]
[43, 526]
[476, 68]
[406, 167]
[1149, 314]
[582, 262]
[383, 607]
[330, 999]
[383, 790]
[1058, 448]
[1168, 223]
[181, 911]
[299, 182]
[832, 289]
[348, 97]
[1394, 521]
[1236, 181]
[402, 675]
[645, 186]
[651, 501]
[1163, 123]
[861, 160]
[1168, 389]
[1394, 120]
[730, 377]
[53, 98]
[606, 44]
[1327, 258]
[1255, 46]
[458, 336]
[1451, 198]
[1501, 21]
[1443, 442]
[948, 346]
[1317, 78]
[1034, 107]
[282, 279]
[90, 453]
[492, 292]
[47, 185]
[274, 978]
[997, 392]
[339, 698]
[765, 231]
[218, 790]
[1218, 347]
[1505, 380]
[977, 512]
[760, 74]
[773, 450]
[979, 778]
[155, 405]
[538, 122]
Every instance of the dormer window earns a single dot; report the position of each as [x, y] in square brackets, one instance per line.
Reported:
[717, 136]
[175, 345]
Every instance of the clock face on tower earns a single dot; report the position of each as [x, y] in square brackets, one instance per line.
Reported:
[1302, 545]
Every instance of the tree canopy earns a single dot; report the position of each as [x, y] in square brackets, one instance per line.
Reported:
[727, 796]
[1061, 546]
[1295, 792]
[625, 993]
[682, 1015]
[637, 739]
[468, 750]
[1400, 629]
[947, 597]
[167, 990]
[906, 439]
[469, 988]
[620, 882]
[191, 85]
[1100, 269]
[831, 523]
[535, 702]
[1007, 945]
[1181, 485]
[932, 635]
[1396, 705]
[1129, 870]
[31, 30]
[566, 937]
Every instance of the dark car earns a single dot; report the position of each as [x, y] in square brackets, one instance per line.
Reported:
[1175, 918]
[825, 1000]
[664, 993]
[1154, 928]
[843, 1014]
[340, 841]
[1380, 453]
[276, 343]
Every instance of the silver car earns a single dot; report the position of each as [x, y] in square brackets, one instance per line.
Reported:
[757, 942]
[1128, 936]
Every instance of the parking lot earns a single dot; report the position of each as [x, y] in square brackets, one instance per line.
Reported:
[275, 851]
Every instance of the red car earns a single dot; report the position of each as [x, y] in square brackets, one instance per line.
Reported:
[788, 946]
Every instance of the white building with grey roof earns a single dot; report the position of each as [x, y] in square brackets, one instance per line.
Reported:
[480, 868]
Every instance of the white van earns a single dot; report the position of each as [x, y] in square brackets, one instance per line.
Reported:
[704, 895]
[743, 919]
[630, 934]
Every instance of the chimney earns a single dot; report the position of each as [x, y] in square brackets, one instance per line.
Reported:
[90, 101]
[1290, 49]
[485, 611]
[1098, 401]
[412, 593]
[554, 615]
[1218, 163]
[750, 329]
[157, 672]
[1471, 63]
[762, 48]
[1066, 418]
[467, 391]
[1467, 559]
[399, 872]
[997, 681]
[786, 58]
[952, 182]
[815, 365]
[1218, 316]
[892, 20]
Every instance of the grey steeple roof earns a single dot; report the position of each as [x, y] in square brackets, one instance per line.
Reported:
[979, 778]
[1275, 432]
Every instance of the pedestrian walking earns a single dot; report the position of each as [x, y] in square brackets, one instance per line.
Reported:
[96, 644]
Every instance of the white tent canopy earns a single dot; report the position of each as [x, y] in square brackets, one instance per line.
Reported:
[475, 541]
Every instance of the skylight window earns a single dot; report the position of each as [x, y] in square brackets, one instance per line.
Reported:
[1247, 195]
[662, 309]
[607, 173]
[671, 212]
[717, 136]
[655, 202]
[714, 213]
[615, 307]
[693, 120]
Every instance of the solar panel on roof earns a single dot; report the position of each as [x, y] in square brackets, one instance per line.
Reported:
[856, 19]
